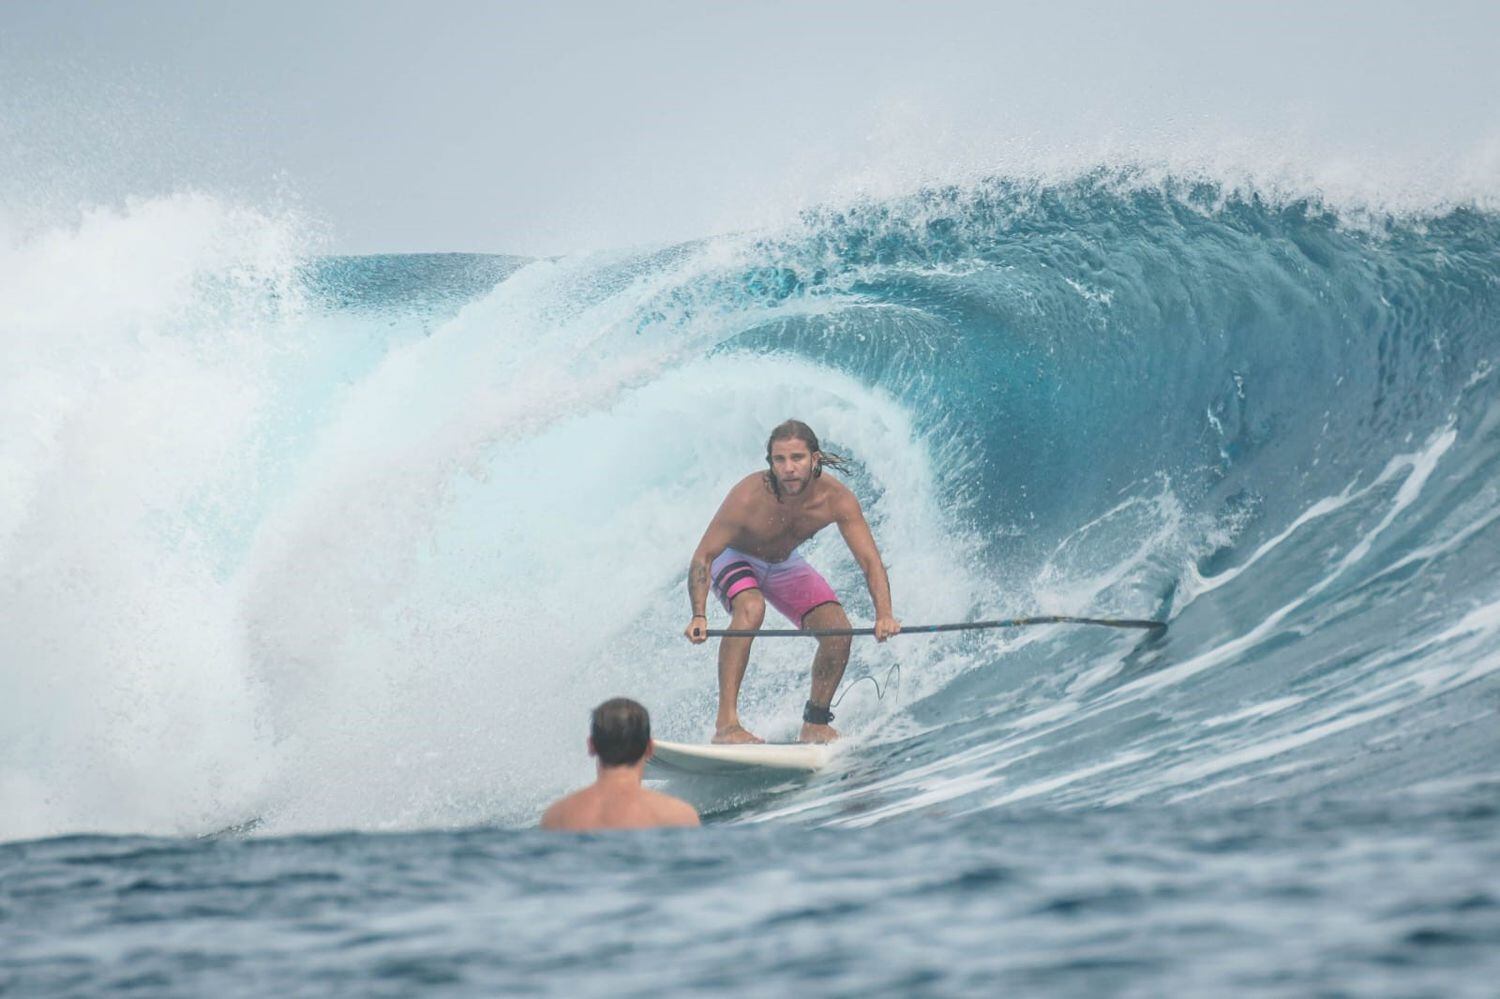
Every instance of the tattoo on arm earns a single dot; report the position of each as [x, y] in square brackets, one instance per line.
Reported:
[698, 585]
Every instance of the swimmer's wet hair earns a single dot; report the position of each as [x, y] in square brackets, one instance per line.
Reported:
[620, 730]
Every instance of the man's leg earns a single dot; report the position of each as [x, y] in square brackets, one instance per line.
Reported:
[828, 665]
[749, 610]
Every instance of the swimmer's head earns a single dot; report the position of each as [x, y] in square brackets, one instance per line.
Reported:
[619, 732]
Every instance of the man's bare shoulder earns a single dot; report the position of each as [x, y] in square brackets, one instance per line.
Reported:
[751, 486]
[674, 811]
[745, 494]
[839, 497]
[588, 811]
[560, 813]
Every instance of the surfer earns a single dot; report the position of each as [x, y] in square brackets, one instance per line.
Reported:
[620, 738]
[749, 556]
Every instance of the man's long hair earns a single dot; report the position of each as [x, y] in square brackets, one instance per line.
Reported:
[796, 430]
[620, 730]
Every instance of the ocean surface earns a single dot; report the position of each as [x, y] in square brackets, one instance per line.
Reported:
[311, 569]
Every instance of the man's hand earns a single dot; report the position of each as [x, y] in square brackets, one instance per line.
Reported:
[697, 629]
[885, 627]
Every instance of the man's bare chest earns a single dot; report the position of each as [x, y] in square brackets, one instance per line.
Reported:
[776, 530]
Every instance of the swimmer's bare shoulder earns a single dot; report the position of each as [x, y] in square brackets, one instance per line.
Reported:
[587, 810]
[674, 811]
[562, 812]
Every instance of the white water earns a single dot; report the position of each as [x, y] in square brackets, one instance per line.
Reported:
[245, 577]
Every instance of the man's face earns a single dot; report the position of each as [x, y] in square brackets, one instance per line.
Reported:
[792, 463]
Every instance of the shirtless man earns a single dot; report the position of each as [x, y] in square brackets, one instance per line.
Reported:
[620, 737]
[749, 555]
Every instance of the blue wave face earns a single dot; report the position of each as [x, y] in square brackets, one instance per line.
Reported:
[1301, 404]
[447, 503]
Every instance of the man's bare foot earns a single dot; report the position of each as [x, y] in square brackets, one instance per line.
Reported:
[735, 735]
[817, 733]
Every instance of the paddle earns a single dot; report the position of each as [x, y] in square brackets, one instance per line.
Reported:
[927, 629]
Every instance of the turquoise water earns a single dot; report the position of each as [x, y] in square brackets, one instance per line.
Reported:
[313, 567]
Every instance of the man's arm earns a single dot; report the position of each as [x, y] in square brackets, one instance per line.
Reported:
[715, 539]
[851, 521]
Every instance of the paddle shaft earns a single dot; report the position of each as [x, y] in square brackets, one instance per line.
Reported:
[928, 629]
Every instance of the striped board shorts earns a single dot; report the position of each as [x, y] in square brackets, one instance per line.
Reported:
[793, 587]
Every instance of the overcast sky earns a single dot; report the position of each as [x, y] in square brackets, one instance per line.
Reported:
[544, 128]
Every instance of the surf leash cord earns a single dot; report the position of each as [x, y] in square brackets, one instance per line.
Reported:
[928, 629]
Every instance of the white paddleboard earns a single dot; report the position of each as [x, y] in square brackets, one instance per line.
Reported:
[758, 758]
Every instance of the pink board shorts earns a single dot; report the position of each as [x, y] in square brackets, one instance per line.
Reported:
[793, 587]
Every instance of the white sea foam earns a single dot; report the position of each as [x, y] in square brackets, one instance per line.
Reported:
[129, 397]
[233, 592]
